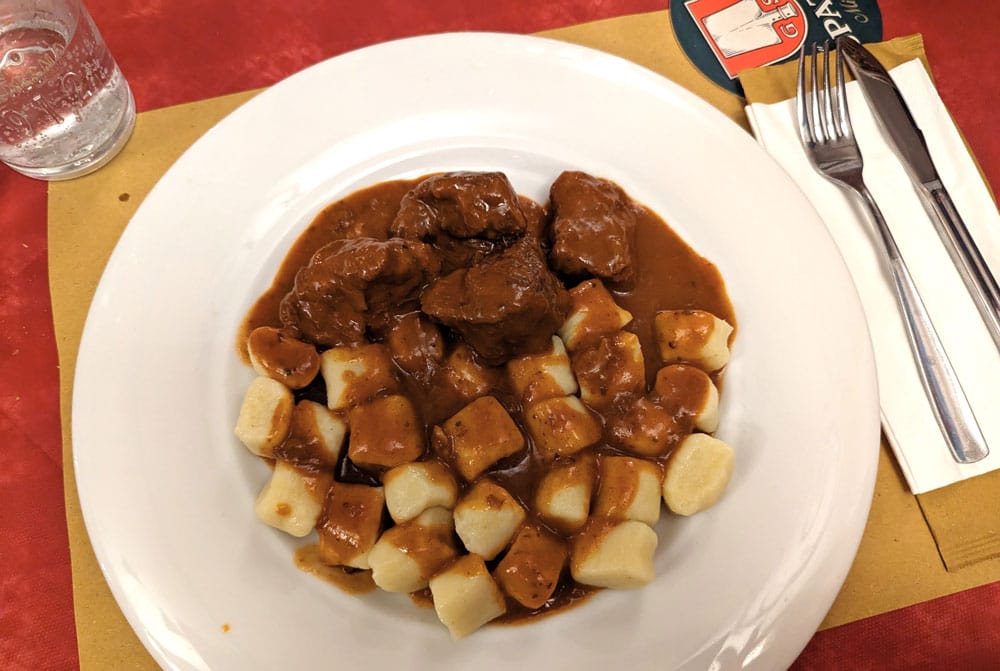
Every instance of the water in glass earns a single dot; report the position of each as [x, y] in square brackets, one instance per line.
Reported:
[65, 108]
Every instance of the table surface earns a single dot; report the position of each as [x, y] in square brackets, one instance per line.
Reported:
[176, 51]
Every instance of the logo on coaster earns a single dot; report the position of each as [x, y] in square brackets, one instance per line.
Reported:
[724, 37]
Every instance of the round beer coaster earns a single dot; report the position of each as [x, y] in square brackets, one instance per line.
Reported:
[724, 37]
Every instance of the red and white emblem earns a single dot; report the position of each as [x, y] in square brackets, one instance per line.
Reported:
[749, 33]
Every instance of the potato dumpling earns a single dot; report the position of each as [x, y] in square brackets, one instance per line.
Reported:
[412, 488]
[350, 524]
[479, 435]
[611, 372]
[315, 437]
[561, 426]
[486, 518]
[275, 354]
[693, 336]
[292, 499]
[650, 429]
[529, 572]
[697, 473]
[465, 376]
[385, 433]
[594, 314]
[265, 416]
[537, 377]
[629, 490]
[407, 555]
[439, 520]
[465, 596]
[691, 390]
[354, 375]
[562, 499]
[613, 554]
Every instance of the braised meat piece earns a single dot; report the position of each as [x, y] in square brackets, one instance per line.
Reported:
[592, 228]
[466, 216]
[351, 285]
[458, 253]
[416, 345]
[537, 218]
[508, 305]
[462, 205]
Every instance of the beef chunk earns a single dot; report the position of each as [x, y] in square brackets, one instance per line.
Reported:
[416, 345]
[458, 253]
[508, 305]
[351, 285]
[537, 218]
[466, 216]
[592, 228]
[462, 205]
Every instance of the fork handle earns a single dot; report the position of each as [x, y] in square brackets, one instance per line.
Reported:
[967, 258]
[951, 408]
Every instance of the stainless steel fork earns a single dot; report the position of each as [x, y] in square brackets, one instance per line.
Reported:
[828, 138]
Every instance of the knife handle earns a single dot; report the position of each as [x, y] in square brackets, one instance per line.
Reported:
[948, 402]
[967, 258]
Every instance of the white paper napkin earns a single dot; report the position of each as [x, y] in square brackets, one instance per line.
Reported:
[906, 413]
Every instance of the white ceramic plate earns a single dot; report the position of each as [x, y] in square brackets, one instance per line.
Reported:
[167, 491]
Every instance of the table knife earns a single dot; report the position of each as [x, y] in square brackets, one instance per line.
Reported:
[894, 118]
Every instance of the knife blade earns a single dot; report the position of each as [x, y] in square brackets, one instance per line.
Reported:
[894, 118]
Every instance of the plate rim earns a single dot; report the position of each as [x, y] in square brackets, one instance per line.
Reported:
[101, 549]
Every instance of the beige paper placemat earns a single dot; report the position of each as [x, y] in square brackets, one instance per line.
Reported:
[964, 518]
[86, 217]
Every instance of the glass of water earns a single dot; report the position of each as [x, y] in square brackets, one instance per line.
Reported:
[65, 109]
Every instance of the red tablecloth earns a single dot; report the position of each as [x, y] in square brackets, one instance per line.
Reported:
[175, 51]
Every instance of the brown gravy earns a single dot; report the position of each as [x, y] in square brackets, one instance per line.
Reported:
[349, 580]
[670, 275]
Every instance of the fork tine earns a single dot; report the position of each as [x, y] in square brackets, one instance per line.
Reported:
[801, 102]
[832, 129]
[843, 114]
[818, 129]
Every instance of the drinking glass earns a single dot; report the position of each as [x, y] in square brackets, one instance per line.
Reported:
[65, 108]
